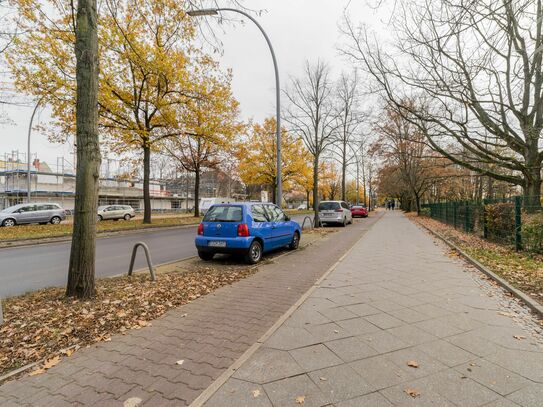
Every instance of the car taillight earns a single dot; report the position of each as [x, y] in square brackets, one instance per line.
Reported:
[243, 230]
[339, 210]
[201, 229]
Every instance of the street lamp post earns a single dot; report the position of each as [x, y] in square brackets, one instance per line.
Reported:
[28, 158]
[215, 11]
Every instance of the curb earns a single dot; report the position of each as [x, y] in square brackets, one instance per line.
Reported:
[532, 304]
[217, 384]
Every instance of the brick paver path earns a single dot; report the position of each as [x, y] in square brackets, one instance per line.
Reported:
[208, 334]
[397, 300]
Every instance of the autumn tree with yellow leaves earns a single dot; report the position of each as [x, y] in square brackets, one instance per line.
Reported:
[209, 125]
[258, 157]
[148, 70]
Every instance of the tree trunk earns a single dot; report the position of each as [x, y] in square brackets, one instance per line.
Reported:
[532, 192]
[316, 219]
[490, 186]
[82, 255]
[146, 176]
[344, 174]
[417, 203]
[197, 192]
[307, 198]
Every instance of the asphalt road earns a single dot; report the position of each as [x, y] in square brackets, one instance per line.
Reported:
[28, 268]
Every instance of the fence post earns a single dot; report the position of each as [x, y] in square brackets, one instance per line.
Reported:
[485, 227]
[466, 217]
[455, 213]
[518, 223]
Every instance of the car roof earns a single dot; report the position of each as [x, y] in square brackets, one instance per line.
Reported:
[242, 203]
[32, 203]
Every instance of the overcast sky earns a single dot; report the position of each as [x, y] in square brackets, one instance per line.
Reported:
[299, 30]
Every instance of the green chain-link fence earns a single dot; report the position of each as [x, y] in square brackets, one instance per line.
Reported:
[514, 221]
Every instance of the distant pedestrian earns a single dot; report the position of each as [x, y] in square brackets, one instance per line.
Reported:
[393, 204]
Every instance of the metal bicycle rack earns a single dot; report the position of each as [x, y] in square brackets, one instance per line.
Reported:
[310, 222]
[147, 256]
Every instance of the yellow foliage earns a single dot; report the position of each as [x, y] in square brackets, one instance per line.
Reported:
[258, 156]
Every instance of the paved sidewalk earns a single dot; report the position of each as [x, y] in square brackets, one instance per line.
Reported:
[397, 316]
[208, 335]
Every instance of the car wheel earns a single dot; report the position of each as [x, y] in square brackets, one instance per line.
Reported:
[8, 222]
[127, 217]
[99, 219]
[254, 254]
[206, 256]
[295, 241]
[55, 220]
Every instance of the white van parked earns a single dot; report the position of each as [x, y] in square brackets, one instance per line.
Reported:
[205, 203]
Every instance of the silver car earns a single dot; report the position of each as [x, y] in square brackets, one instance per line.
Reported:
[335, 212]
[41, 213]
[116, 212]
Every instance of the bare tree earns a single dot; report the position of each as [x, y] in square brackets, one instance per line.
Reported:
[474, 72]
[349, 121]
[313, 116]
[82, 255]
[403, 148]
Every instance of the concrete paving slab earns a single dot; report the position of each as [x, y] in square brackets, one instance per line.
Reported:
[410, 302]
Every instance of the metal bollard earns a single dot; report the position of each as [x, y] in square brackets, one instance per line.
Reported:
[147, 256]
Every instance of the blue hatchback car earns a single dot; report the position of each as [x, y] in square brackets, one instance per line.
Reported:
[249, 228]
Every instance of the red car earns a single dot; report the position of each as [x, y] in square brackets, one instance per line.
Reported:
[359, 211]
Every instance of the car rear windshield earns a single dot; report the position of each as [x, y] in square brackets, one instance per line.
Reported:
[357, 207]
[328, 206]
[223, 213]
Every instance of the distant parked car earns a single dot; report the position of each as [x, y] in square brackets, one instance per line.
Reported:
[247, 228]
[335, 212]
[302, 207]
[359, 211]
[205, 203]
[41, 213]
[116, 212]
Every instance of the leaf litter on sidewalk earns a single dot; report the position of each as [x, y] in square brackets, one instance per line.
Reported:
[523, 270]
[46, 326]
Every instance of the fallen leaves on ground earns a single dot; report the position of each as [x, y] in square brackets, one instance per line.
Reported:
[412, 392]
[412, 363]
[47, 325]
[256, 393]
[523, 270]
[519, 337]
[300, 400]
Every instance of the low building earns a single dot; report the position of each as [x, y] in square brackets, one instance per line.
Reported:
[47, 185]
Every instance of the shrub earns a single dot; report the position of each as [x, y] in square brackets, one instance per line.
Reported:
[500, 221]
[532, 232]
[425, 212]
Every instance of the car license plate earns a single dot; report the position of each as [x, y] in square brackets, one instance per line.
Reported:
[329, 214]
[217, 243]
